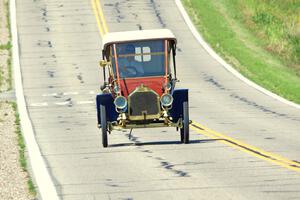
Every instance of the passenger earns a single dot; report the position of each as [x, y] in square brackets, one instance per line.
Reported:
[128, 66]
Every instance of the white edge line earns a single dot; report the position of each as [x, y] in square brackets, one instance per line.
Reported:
[223, 63]
[42, 177]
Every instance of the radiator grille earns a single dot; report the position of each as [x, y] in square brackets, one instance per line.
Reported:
[143, 103]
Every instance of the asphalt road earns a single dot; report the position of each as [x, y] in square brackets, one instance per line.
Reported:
[60, 47]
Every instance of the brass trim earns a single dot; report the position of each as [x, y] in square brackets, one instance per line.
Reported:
[139, 54]
[142, 89]
[145, 77]
[150, 125]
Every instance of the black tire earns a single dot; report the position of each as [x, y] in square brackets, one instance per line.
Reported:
[185, 130]
[103, 126]
[181, 135]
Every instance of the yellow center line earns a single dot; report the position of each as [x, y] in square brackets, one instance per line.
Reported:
[97, 18]
[100, 11]
[101, 22]
[254, 151]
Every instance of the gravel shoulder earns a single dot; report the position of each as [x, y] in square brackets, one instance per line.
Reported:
[4, 52]
[13, 178]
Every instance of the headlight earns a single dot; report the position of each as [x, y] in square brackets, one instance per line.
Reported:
[166, 100]
[120, 102]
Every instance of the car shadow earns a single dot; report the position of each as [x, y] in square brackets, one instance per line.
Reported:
[160, 143]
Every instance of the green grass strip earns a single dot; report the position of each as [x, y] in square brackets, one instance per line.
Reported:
[21, 143]
[22, 147]
[222, 28]
[8, 18]
[6, 46]
[9, 46]
[9, 66]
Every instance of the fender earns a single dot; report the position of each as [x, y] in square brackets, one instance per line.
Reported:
[179, 96]
[108, 101]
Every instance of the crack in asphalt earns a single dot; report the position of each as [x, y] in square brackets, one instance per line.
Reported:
[157, 13]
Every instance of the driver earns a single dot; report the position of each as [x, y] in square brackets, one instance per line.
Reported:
[128, 66]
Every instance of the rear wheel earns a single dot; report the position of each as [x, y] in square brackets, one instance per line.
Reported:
[185, 130]
[103, 126]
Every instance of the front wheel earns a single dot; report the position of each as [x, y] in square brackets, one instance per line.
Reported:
[185, 130]
[103, 126]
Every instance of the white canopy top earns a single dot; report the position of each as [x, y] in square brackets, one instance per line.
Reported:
[127, 36]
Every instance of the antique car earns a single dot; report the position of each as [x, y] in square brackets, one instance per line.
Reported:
[139, 71]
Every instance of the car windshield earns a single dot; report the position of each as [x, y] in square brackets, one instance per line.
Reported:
[140, 59]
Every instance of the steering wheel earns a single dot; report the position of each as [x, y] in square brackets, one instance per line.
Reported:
[128, 71]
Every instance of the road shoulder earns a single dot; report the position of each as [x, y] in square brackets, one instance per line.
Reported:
[15, 182]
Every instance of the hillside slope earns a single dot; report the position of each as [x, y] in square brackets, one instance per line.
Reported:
[260, 38]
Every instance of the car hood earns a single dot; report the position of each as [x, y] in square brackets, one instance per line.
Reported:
[130, 84]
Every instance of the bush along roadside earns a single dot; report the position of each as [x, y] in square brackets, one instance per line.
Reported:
[259, 38]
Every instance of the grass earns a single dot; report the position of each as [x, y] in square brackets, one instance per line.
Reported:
[21, 143]
[8, 19]
[7, 47]
[1, 76]
[258, 37]
[276, 23]
[9, 66]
